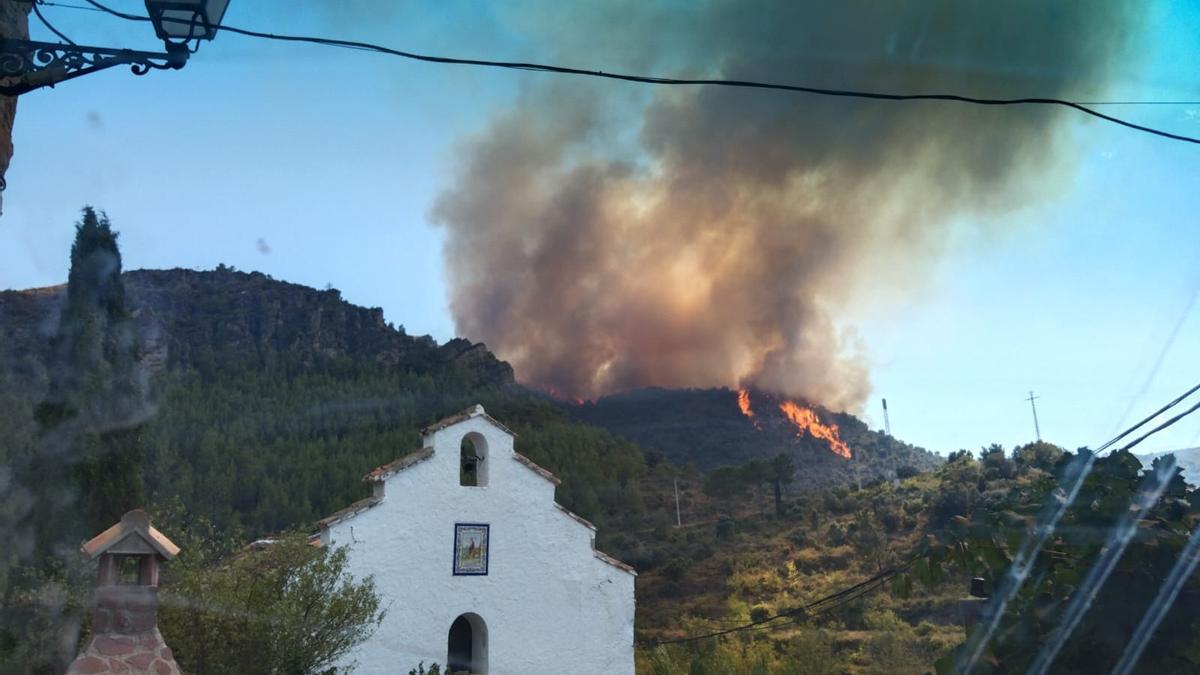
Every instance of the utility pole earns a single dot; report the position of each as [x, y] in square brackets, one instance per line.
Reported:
[887, 425]
[678, 523]
[1033, 406]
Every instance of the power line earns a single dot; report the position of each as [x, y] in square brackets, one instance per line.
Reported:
[846, 595]
[1185, 313]
[647, 79]
[1148, 418]
[1033, 405]
[46, 22]
[1162, 426]
[1138, 102]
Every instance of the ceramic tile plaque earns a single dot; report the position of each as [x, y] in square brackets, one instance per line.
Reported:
[470, 549]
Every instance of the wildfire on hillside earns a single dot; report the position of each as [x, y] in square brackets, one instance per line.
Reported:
[743, 399]
[559, 396]
[806, 420]
[744, 402]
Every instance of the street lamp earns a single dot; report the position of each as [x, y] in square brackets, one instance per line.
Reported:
[26, 65]
[186, 20]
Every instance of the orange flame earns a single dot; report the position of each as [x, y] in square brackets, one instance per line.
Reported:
[806, 420]
[744, 402]
[744, 405]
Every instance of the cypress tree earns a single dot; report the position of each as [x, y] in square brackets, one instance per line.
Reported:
[86, 464]
[90, 455]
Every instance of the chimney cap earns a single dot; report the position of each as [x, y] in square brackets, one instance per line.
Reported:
[133, 535]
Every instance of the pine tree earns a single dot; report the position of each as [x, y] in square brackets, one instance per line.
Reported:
[783, 470]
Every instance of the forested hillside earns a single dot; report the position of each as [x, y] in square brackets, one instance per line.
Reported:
[269, 401]
[266, 403]
[774, 584]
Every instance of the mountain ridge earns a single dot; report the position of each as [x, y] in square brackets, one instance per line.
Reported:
[181, 310]
[185, 316]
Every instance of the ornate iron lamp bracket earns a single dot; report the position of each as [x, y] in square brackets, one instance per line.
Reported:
[26, 65]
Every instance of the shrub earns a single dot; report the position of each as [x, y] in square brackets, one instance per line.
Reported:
[725, 528]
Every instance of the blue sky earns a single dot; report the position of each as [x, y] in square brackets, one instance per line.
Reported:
[332, 159]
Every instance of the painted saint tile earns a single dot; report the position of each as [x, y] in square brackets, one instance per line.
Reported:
[470, 548]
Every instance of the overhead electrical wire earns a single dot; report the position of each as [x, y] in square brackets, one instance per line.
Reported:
[843, 597]
[46, 22]
[1150, 417]
[647, 79]
[1162, 426]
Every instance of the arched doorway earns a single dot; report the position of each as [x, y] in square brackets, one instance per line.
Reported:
[466, 649]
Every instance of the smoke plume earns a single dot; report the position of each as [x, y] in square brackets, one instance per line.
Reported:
[604, 236]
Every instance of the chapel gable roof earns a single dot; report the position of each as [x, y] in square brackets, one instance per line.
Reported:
[397, 465]
[411, 459]
[349, 512]
[544, 473]
[601, 555]
[462, 416]
[133, 535]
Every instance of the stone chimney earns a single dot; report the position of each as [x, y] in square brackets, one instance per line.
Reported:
[125, 637]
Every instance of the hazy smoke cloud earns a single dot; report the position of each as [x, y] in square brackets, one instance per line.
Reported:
[603, 237]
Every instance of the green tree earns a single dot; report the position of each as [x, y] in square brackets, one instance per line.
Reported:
[984, 542]
[1037, 455]
[87, 468]
[995, 463]
[724, 482]
[83, 469]
[288, 607]
[783, 471]
[756, 473]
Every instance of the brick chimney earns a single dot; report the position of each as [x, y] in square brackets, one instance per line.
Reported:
[125, 636]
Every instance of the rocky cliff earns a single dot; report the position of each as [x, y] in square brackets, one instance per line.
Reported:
[180, 312]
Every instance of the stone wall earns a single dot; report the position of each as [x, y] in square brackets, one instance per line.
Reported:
[14, 25]
[125, 636]
[131, 654]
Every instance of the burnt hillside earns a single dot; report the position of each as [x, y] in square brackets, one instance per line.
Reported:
[706, 427]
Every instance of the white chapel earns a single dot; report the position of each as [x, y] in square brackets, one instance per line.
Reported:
[477, 566]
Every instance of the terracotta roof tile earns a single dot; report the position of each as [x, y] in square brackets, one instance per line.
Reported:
[348, 512]
[537, 469]
[614, 562]
[398, 465]
[133, 523]
[462, 416]
[582, 521]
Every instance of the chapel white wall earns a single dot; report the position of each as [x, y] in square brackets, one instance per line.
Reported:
[550, 605]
